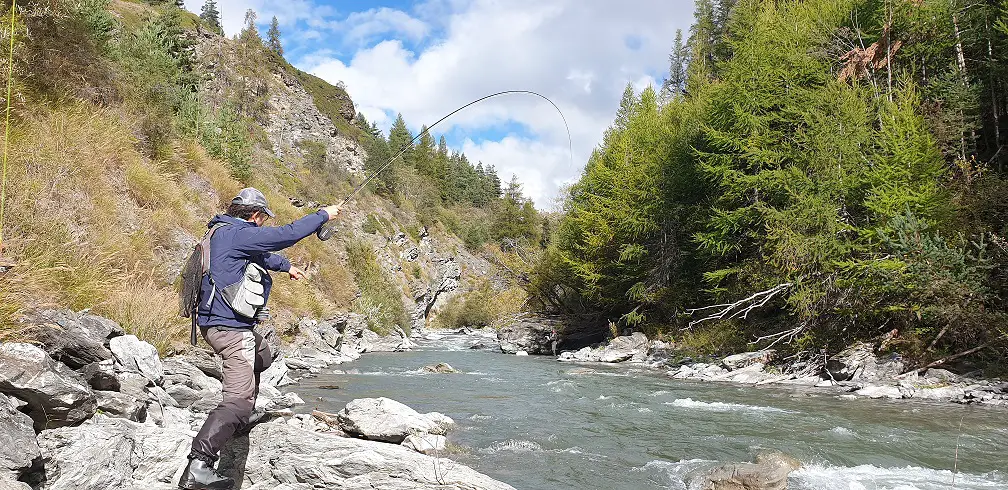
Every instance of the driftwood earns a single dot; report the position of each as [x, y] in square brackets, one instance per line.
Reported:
[326, 418]
[740, 308]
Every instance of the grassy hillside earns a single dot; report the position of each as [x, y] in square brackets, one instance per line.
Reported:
[122, 146]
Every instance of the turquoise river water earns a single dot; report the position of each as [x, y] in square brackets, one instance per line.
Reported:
[539, 424]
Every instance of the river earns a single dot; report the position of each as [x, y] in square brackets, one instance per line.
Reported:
[537, 424]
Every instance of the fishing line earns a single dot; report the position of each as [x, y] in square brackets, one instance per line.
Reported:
[326, 231]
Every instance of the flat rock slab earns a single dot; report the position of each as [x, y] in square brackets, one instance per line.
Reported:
[384, 419]
[105, 453]
[56, 396]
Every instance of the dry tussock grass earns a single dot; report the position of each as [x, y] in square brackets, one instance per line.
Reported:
[86, 210]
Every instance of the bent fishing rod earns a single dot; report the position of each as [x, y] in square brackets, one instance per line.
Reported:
[329, 228]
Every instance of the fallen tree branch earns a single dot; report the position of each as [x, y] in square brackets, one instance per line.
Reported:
[943, 360]
[740, 308]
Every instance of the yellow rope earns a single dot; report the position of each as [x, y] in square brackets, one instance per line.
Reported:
[10, 85]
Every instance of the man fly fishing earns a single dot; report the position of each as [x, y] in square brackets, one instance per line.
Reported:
[224, 291]
[226, 286]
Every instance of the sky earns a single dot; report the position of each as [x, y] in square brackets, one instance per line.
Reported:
[425, 59]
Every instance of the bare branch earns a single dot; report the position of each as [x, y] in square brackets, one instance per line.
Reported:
[740, 308]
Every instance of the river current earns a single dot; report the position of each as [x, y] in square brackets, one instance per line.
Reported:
[539, 424]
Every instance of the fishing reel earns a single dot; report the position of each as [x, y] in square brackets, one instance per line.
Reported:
[326, 231]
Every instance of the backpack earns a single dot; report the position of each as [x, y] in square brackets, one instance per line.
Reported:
[196, 266]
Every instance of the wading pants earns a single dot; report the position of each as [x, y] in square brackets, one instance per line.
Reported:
[245, 355]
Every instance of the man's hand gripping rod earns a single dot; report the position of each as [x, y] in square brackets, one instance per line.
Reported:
[326, 231]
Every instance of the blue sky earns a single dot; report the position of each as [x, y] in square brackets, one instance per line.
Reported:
[424, 59]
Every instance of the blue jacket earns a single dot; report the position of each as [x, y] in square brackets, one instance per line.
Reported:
[232, 247]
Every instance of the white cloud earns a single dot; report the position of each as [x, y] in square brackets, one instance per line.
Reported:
[362, 26]
[573, 51]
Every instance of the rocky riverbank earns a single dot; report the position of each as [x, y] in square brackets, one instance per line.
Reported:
[93, 408]
[857, 372]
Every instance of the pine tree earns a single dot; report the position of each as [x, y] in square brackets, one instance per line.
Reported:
[211, 16]
[273, 37]
[675, 84]
[250, 33]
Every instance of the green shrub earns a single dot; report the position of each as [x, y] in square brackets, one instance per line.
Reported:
[380, 300]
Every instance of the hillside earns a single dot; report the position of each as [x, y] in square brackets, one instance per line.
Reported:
[132, 124]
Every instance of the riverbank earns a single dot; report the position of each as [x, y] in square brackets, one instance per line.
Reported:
[857, 372]
[93, 408]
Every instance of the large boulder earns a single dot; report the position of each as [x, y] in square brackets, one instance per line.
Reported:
[859, 363]
[106, 453]
[73, 339]
[133, 355]
[768, 472]
[625, 348]
[384, 419]
[18, 449]
[534, 335]
[56, 396]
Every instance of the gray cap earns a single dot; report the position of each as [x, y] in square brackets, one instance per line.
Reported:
[250, 196]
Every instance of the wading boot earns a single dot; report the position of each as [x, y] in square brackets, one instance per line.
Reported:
[200, 475]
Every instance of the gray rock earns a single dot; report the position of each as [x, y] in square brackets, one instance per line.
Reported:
[136, 356]
[183, 395]
[873, 391]
[276, 375]
[206, 361]
[133, 384]
[384, 419]
[121, 405]
[66, 338]
[619, 349]
[101, 375]
[56, 396]
[769, 472]
[935, 375]
[178, 371]
[628, 347]
[8, 481]
[18, 449]
[859, 363]
[103, 326]
[441, 367]
[946, 393]
[534, 335]
[746, 358]
[427, 444]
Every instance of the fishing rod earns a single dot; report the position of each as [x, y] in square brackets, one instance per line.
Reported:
[326, 231]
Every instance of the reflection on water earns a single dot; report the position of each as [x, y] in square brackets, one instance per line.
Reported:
[539, 424]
